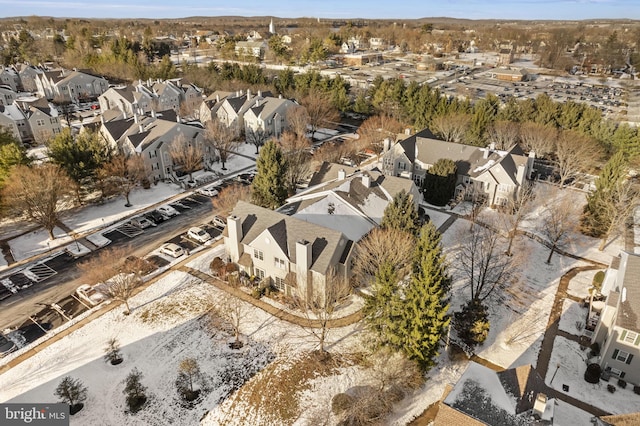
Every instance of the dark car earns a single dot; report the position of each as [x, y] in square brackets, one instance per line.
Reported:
[155, 216]
[6, 346]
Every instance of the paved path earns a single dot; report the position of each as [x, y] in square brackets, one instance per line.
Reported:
[270, 309]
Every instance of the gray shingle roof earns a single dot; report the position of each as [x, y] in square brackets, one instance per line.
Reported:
[327, 245]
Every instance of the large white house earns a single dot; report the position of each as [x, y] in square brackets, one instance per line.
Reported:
[499, 174]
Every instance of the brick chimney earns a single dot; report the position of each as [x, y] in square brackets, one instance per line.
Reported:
[303, 263]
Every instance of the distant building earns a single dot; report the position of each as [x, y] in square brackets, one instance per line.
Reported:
[505, 56]
[359, 59]
[507, 74]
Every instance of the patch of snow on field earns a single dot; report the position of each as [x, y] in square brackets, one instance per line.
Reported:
[573, 314]
[572, 361]
[37, 242]
[580, 284]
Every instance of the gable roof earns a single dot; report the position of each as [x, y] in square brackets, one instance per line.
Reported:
[628, 315]
[327, 244]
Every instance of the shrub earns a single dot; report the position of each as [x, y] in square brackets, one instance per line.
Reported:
[72, 392]
[622, 383]
[592, 375]
[257, 293]
[112, 352]
[595, 349]
[611, 388]
[341, 402]
[598, 278]
[216, 266]
[135, 391]
[636, 390]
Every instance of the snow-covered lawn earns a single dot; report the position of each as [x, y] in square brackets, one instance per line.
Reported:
[436, 216]
[97, 216]
[573, 318]
[37, 242]
[580, 284]
[518, 323]
[572, 361]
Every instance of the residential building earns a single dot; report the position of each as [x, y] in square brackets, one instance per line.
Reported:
[251, 48]
[511, 397]
[290, 254]
[9, 77]
[71, 86]
[7, 95]
[12, 118]
[268, 114]
[499, 174]
[352, 204]
[43, 121]
[505, 56]
[27, 74]
[128, 99]
[618, 328]
[377, 43]
[151, 137]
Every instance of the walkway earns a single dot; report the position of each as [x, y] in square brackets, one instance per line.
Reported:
[270, 309]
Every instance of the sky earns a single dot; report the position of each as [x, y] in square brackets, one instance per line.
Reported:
[404, 9]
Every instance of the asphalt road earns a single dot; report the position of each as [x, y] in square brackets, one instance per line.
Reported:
[16, 310]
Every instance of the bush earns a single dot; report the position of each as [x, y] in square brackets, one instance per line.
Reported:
[341, 402]
[622, 383]
[592, 375]
[595, 349]
[112, 352]
[611, 388]
[257, 293]
[216, 266]
[636, 390]
[598, 278]
[135, 391]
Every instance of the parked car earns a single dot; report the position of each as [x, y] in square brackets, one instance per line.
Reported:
[219, 221]
[141, 222]
[155, 216]
[90, 295]
[168, 211]
[172, 249]
[199, 234]
[209, 191]
[6, 346]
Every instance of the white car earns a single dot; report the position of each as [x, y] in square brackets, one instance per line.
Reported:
[90, 295]
[141, 222]
[199, 234]
[172, 250]
[219, 221]
[209, 191]
[168, 211]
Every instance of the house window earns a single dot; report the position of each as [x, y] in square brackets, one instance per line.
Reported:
[40, 122]
[617, 373]
[622, 356]
[279, 263]
[258, 254]
[629, 337]
[279, 283]
[504, 188]
[259, 273]
[466, 180]
[402, 166]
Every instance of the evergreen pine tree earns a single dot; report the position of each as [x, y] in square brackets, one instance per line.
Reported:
[440, 182]
[423, 318]
[594, 221]
[401, 214]
[270, 185]
[378, 310]
[135, 391]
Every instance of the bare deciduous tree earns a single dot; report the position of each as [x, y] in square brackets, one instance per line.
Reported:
[187, 156]
[122, 174]
[189, 377]
[39, 193]
[233, 311]
[321, 111]
[229, 197]
[295, 150]
[481, 259]
[298, 120]
[504, 134]
[380, 246]
[558, 220]
[515, 211]
[451, 127]
[116, 276]
[575, 153]
[256, 138]
[222, 138]
[375, 129]
[322, 306]
[538, 138]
